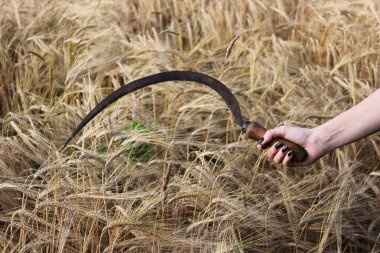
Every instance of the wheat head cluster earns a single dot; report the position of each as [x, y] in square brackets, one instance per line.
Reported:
[166, 169]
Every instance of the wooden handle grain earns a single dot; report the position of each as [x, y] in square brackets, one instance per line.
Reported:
[255, 131]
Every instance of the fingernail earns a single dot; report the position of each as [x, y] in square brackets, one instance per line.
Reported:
[260, 141]
[264, 146]
[290, 153]
[278, 145]
[284, 149]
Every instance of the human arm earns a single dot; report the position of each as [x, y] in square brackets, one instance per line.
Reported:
[358, 122]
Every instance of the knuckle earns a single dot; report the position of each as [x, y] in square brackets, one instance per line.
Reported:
[283, 129]
[277, 160]
[271, 153]
[279, 157]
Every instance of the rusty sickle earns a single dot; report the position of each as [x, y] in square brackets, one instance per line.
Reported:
[252, 129]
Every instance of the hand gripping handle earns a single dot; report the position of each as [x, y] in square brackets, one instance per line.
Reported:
[255, 131]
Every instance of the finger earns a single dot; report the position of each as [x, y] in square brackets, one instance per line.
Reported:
[288, 158]
[261, 146]
[280, 155]
[274, 149]
[274, 133]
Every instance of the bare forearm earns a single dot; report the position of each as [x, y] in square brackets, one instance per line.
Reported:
[358, 122]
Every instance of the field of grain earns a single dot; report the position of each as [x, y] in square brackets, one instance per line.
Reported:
[165, 169]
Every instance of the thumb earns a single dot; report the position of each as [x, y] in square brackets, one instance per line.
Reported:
[274, 133]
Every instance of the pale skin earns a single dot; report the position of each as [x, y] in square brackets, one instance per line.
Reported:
[356, 123]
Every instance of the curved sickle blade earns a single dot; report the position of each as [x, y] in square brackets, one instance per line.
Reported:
[209, 81]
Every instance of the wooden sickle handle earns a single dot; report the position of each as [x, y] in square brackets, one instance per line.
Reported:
[255, 131]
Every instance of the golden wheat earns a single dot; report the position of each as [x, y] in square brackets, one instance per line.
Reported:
[184, 179]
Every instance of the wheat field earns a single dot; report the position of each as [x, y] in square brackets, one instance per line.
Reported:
[165, 169]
